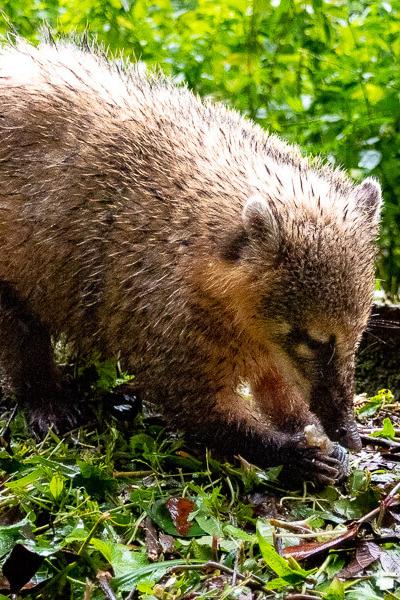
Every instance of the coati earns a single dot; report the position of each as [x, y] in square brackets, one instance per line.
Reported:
[140, 221]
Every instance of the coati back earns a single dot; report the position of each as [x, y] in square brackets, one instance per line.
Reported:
[137, 220]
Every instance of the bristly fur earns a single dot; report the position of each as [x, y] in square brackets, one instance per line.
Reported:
[137, 219]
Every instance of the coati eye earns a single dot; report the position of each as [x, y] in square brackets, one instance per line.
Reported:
[307, 346]
[304, 351]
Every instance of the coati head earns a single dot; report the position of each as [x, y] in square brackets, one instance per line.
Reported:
[310, 253]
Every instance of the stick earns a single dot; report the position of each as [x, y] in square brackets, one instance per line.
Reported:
[102, 577]
[253, 581]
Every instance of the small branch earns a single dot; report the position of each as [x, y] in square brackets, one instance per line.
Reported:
[294, 526]
[301, 597]
[383, 442]
[384, 539]
[387, 502]
[88, 593]
[314, 534]
[151, 539]
[6, 429]
[100, 520]
[103, 579]
[252, 581]
[131, 474]
[369, 430]
[393, 491]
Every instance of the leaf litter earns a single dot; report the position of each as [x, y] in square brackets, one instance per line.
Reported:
[127, 514]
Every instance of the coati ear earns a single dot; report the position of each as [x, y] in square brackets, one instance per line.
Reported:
[260, 222]
[369, 199]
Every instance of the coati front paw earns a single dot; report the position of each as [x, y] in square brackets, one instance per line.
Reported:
[341, 454]
[61, 421]
[54, 408]
[305, 463]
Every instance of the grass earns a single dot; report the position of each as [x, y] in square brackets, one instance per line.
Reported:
[128, 512]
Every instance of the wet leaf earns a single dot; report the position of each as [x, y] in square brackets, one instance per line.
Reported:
[122, 559]
[280, 566]
[366, 554]
[335, 591]
[20, 566]
[303, 551]
[369, 159]
[9, 534]
[153, 572]
[180, 509]
[161, 514]
[390, 561]
[387, 431]
[56, 486]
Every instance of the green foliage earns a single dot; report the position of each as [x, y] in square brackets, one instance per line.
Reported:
[71, 513]
[133, 510]
[320, 73]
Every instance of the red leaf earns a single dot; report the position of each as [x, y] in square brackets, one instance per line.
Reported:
[180, 509]
[303, 551]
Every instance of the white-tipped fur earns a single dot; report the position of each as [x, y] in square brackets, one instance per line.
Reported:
[137, 218]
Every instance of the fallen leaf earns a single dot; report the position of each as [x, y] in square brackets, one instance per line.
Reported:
[390, 561]
[303, 551]
[366, 554]
[20, 566]
[180, 509]
[167, 543]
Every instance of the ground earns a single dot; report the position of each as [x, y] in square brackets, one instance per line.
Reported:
[124, 512]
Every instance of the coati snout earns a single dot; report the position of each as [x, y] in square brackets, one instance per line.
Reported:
[139, 221]
[331, 382]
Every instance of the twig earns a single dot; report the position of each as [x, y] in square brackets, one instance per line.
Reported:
[235, 569]
[252, 581]
[369, 430]
[131, 474]
[103, 577]
[393, 491]
[88, 593]
[150, 535]
[102, 518]
[313, 534]
[386, 502]
[6, 428]
[384, 539]
[294, 526]
[380, 510]
[383, 442]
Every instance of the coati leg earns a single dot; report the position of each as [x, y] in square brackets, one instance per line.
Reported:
[219, 419]
[283, 404]
[26, 359]
[293, 415]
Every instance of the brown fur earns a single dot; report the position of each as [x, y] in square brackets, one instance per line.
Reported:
[137, 220]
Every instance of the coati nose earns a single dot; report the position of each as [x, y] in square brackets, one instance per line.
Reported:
[349, 437]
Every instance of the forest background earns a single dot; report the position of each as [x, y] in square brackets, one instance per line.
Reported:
[324, 74]
[120, 509]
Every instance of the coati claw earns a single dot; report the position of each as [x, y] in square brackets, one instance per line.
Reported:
[341, 455]
[308, 463]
